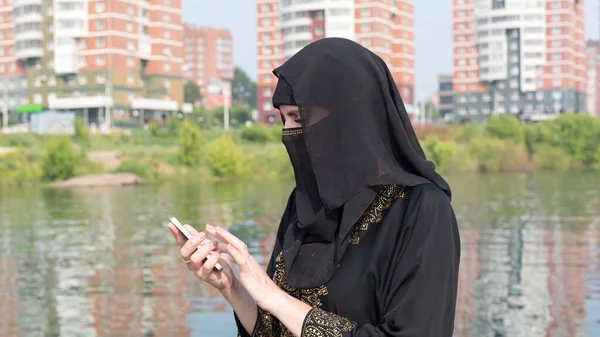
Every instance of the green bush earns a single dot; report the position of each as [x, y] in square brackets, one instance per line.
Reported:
[439, 151]
[18, 167]
[174, 124]
[547, 157]
[190, 144]
[506, 127]
[59, 161]
[578, 135]
[153, 128]
[82, 134]
[146, 171]
[495, 155]
[225, 158]
[469, 131]
[461, 161]
[256, 133]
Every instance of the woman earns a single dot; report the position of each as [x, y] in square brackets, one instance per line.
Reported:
[368, 244]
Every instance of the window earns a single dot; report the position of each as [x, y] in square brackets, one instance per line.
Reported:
[99, 24]
[167, 66]
[365, 12]
[130, 79]
[319, 30]
[129, 9]
[129, 27]
[82, 79]
[100, 42]
[557, 82]
[556, 43]
[52, 81]
[166, 34]
[366, 27]
[129, 61]
[556, 69]
[82, 61]
[267, 106]
[100, 60]
[99, 7]
[267, 92]
[167, 84]
[166, 17]
[366, 42]
[101, 78]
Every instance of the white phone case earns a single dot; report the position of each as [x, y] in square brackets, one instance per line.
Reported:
[189, 236]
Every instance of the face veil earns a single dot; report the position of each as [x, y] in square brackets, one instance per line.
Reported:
[355, 136]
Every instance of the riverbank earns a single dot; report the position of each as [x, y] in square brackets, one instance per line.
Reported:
[184, 151]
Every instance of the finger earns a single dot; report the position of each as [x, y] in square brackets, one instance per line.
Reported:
[180, 238]
[213, 258]
[198, 257]
[191, 245]
[238, 257]
[227, 237]
[191, 229]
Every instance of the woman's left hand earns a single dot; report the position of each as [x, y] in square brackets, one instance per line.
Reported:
[252, 276]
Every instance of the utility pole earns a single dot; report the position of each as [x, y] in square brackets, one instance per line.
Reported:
[226, 108]
[5, 106]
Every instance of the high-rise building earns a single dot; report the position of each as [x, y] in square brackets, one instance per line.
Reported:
[209, 63]
[593, 78]
[112, 61]
[445, 92]
[284, 27]
[518, 57]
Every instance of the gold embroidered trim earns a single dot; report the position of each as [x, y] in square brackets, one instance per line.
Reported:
[320, 323]
[291, 132]
[386, 194]
[269, 326]
[266, 325]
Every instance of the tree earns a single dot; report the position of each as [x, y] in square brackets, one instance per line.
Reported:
[243, 89]
[191, 92]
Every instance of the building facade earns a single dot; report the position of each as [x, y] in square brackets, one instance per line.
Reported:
[285, 27]
[209, 63]
[518, 56]
[113, 61]
[445, 95]
[593, 78]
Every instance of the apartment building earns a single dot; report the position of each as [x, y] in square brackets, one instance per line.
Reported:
[593, 78]
[209, 63]
[113, 61]
[518, 56]
[285, 27]
[445, 95]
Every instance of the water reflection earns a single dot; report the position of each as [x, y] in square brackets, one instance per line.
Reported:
[100, 262]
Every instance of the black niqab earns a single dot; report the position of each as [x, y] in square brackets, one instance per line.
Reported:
[356, 136]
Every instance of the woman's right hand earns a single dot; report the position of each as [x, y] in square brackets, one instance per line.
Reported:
[193, 256]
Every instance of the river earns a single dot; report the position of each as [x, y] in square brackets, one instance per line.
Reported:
[100, 262]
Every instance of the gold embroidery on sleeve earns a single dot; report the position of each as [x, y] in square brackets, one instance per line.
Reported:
[386, 194]
[320, 323]
[268, 325]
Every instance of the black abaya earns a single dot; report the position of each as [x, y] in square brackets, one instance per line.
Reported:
[397, 278]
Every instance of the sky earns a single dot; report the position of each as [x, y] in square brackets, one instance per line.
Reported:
[433, 34]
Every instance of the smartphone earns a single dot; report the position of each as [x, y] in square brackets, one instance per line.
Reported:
[187, 234]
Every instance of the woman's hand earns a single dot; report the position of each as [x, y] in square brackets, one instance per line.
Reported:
[251, 275]
[194, 256]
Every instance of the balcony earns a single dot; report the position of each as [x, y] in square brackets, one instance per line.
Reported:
[29, 52]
